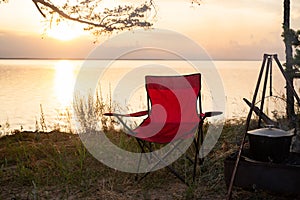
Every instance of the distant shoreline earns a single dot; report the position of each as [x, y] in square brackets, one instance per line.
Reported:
[124, 59]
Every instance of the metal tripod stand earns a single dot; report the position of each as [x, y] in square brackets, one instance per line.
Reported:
[267, 67]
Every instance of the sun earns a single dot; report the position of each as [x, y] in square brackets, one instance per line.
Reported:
[65, 31]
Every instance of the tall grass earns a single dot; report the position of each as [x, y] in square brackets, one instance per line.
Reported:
[89, 112]
[5, 129]
[64, 121]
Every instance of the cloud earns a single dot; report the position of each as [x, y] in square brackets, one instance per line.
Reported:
[254, 50]
[33, 46]
[248, 47]
[153, 44]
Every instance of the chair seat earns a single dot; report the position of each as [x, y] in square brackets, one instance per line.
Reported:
[165, 132]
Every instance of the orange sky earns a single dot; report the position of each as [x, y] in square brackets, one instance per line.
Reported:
[232, 29]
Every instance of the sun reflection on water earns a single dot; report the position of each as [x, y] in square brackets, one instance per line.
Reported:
[64, 82]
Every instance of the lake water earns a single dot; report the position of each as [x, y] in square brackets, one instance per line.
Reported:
[29, 85]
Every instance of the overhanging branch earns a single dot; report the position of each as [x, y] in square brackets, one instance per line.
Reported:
[108, 20]
[62, 14]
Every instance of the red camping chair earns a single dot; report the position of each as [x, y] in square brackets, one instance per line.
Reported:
[174, 114]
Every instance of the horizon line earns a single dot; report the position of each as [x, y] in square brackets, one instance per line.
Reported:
[42, 58]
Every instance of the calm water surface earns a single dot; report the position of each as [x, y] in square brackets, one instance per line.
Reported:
[27, 84]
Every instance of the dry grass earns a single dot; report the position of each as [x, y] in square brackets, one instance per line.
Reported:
[57, 166]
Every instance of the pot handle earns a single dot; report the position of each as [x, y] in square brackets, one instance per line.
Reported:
[269, 126]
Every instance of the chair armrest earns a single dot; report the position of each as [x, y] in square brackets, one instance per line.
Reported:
[136, 114]
[213, 113]
[210, 114]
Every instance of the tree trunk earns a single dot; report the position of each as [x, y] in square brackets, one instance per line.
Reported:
[289, 59]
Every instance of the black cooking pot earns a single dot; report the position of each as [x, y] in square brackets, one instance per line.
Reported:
[270, 144]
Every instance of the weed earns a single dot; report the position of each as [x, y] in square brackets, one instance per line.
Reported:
[63, 122]
[89, 113]
[5, 129]
[42, 120]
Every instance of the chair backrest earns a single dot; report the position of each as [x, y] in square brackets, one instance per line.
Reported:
[173, 111]
[176, 95]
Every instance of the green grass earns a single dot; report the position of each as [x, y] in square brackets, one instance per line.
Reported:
[56, 165]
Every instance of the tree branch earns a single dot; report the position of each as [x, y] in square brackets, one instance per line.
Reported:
[37, 6]
[107, 20]
[63, 14]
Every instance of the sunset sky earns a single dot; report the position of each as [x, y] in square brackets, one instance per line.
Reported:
[232, 29]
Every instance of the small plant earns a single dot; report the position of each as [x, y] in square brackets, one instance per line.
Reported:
[5, 129]
[89, 112]
[42, 120]
[64, 121]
